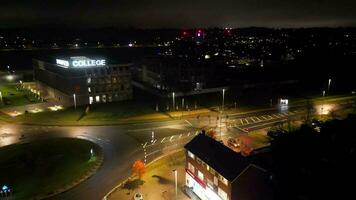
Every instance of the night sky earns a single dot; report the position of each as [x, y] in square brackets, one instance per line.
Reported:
[177, 14]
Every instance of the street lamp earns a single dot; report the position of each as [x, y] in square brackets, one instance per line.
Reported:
[75, 101]
[329, 84]
[0, 97]
[176, 182]
[223, 100]
[173, 94]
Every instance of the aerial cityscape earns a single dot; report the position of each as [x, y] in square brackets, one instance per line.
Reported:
[174, 100]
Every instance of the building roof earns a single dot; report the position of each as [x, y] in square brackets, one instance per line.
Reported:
[222, 159]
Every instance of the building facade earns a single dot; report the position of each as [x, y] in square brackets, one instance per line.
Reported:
[82, 80]
[215, 172]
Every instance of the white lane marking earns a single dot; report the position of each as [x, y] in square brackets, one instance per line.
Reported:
[171, 138]
[241, 129]
[264, 117]
[247, 122]
[258, 119]
[242, 122]
[190, 124]
[163, 139]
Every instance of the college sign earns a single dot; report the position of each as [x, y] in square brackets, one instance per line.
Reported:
[81, 62]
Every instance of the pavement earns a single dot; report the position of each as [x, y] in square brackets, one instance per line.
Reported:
[159, 181]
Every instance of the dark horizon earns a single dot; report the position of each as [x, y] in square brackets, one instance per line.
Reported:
[179, 14]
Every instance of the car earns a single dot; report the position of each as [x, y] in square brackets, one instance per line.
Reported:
[233, 143]
[138, 196]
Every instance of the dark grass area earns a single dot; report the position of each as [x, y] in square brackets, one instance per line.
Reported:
[41, 167]
[15, 96]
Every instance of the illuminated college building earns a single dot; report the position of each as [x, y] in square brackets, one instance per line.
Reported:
[82, 80]
[215, 172]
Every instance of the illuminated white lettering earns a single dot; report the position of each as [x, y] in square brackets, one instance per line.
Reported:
[62, 62]
[88, 63]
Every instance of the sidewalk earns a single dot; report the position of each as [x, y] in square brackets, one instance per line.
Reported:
[158, 181]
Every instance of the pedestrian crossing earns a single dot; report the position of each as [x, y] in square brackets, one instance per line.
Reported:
[266, 117]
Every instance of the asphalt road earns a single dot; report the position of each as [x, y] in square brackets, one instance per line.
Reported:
[125, 143]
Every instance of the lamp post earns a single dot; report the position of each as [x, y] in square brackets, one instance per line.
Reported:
[223, 99]
[75, 101]
[176, 182]
[0, 97]
[222, 109]
[173, 94]
[329, 84]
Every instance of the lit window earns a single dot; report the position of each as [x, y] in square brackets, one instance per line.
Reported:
[210, 184]
[91, 100]
[89, 89]
[89, 80]
[190, 154]
[97, 98]
[215, 180]
[191, 168]
[200, 175]
[222, 194]
[207, 167]
[222, 179]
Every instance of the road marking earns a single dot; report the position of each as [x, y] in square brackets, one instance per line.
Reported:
[163, 139]
[252, 119]
[180, 136]
[274, 115]
[171, 138]
[242, 122]
[190, 124]
[241, 129]
[264, 117]
[247, 122]
[258, 119]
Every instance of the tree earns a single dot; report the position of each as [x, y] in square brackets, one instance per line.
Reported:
[138, 168]
[211, 133]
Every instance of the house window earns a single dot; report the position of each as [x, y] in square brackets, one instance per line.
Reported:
[89, 80]
[190, 154]
[191, 168]
[210, 184]
[200, 175]
[222, 179]
[212, 171]
[91, 100]
[222, 194]
[89, 90]
[97, 98]
[215, 180]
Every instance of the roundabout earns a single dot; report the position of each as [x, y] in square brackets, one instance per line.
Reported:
[44, 168]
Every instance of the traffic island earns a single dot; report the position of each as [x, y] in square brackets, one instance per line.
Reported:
[44, 168]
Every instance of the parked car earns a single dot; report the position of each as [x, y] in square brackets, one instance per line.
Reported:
[138, 196]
